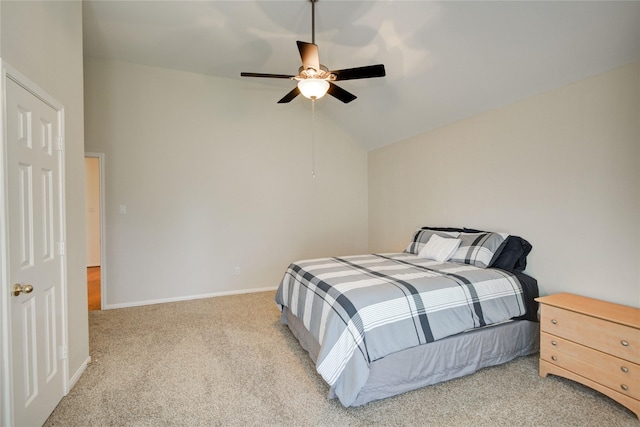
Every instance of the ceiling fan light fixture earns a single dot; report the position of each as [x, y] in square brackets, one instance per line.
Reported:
[313, 88]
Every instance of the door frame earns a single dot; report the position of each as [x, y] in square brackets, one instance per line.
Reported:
[6, 383]
[103, 228]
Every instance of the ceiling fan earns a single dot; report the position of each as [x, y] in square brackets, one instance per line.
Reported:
[314, 79]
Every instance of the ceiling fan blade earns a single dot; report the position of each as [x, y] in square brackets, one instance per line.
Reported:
[309, 55]
[288, 97]
[341, 94]
[273, 76]
[360, 72]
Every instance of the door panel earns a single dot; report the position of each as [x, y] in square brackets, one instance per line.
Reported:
[25, 216]
[48, 236]
[29, 356]
[33, 177]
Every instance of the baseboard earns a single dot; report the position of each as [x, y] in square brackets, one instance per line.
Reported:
[74, 379]
[186, 298]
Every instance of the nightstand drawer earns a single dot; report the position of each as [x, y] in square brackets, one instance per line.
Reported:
[617, 374]
[616, 339]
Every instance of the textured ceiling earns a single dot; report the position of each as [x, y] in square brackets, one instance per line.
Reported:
[444, 60]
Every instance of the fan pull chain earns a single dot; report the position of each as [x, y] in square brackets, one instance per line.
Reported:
[313, 137]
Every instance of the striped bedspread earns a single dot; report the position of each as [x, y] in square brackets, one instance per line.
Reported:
[362, 308]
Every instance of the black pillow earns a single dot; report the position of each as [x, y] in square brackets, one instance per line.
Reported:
[514, 255]
[450, 229]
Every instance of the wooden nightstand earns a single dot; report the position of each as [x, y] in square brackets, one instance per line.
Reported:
[593, 342]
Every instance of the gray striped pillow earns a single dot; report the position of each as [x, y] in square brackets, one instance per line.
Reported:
[422, 236]
[478, 248]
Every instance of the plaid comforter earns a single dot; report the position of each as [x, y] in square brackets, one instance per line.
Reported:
[362, 308]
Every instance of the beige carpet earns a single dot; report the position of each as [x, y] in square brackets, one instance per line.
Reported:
[228, 361]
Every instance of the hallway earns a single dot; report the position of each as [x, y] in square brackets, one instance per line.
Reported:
[93, 288]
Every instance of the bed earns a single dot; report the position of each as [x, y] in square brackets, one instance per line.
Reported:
[377, 325]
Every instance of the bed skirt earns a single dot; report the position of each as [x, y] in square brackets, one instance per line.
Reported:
[431, 363]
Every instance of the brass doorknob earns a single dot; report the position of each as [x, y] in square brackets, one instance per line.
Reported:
[25, 289]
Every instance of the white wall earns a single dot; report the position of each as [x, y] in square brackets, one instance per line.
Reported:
[43, 40]
[215, 175]
[92, 211]
[561, 169]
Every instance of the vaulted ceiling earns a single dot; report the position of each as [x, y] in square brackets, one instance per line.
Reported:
[445, 60]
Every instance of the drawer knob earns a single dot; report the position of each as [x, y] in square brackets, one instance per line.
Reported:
[554, 321]
[555, 358]
[624, 387]
[624, 343]
[624, 369]
[554, 343]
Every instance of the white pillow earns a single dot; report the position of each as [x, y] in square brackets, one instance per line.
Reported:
[439, 248]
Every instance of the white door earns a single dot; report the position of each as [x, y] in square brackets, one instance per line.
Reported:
[33, 178]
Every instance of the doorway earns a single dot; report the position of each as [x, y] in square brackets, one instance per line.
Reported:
[94, 185]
